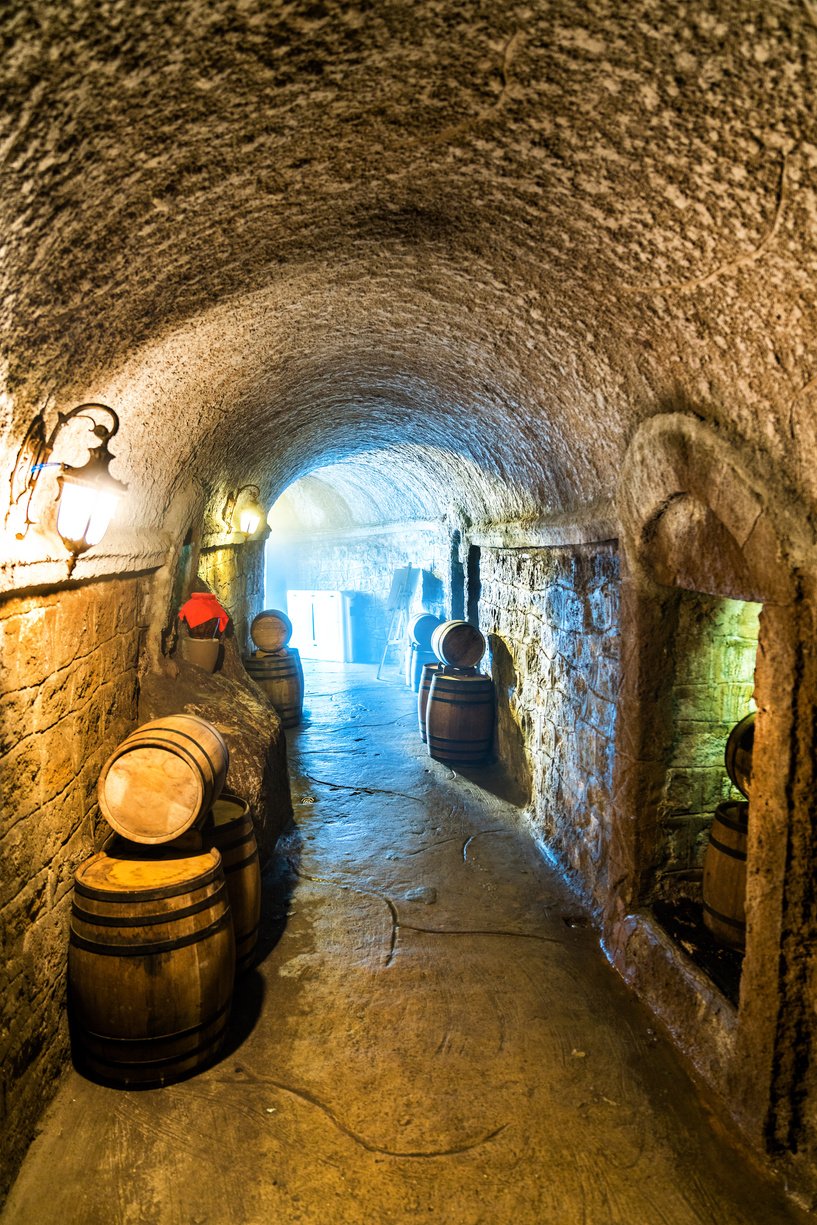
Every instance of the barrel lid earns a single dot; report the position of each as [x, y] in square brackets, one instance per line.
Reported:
[271, 629]
[458, 643]
[128, 871]
[228, 808]
[148, 794]
[421, 627]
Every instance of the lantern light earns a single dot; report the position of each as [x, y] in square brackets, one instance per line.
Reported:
[88, 495]
[249, 515]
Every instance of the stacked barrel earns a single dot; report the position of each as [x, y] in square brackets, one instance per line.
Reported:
[456, 703]
[166, 913]
[275, 666]
[724, 883]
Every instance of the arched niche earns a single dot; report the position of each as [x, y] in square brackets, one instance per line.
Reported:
[703, 524]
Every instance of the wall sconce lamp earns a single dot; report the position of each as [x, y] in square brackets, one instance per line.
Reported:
[87, 496]
[249, 516]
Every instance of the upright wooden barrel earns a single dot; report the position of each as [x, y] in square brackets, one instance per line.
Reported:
[163, 778]
[420, 628]
[282, 679]
[460, 717]
[271, 630]
[230, 830]
[418, 660]
[459, 644]
[151, 963]
[428, 673]
[724, 885]
[738, 754]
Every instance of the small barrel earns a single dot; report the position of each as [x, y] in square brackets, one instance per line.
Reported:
[282, 679]
[458, 644]
[419, 658]
[460, 717]
[426, 677]
[151, 963]
[738, 754]
[163, 778]
[724, 884]
[230, 830]
[271, 630]
[420, 628]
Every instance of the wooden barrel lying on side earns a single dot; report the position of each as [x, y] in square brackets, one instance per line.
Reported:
[282, 679]
[459, 644]
[428, 673]
[460, 717]
[230, 830]
[163, 778]
[724, 886]
[151, 963]
[271, 630]
[420, 628]
[738, 754]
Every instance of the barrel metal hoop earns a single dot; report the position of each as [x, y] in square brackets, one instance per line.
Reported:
[716, 914]
[727, 850]
[150, 950]
[436, 700]
[230, 846]
[136, 741]
[181, 1033]
[458, 740]
[738, 827]
[170, 916]
[149, 895]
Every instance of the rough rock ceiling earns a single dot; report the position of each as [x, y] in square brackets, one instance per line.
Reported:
[279, 234]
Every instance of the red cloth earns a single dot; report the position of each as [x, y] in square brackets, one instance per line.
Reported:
[201, 607]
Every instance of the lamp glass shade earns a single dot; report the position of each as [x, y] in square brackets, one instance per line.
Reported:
[85, 511]
[249, 520]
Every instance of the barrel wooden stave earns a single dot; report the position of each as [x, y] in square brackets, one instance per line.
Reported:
[458, 644]
[738, 753]
[163, 778]
[419, 658]
[428, 672]
[271, 630]
[151, 964]
[724, 880]
[231, 832]
[282, 680]
[460, 717]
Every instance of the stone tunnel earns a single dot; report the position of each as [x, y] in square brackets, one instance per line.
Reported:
[524, 294]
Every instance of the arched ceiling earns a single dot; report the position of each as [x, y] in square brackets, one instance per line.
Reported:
[276, 236]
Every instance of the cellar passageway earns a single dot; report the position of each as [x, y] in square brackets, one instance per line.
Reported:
[432, 1033]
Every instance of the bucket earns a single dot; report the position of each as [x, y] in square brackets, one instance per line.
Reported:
[151, 963]
[460, 717]
[163, 778]
[724, 885]
[230, 831]
[282, 679]
[458, 644]
[203, 652]
[271, 630]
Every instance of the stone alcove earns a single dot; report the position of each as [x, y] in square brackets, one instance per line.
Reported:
[705, 538]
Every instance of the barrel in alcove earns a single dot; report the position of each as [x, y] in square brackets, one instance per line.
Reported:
[724, 883]
[458, 644]
[163, 778]
[230, 830]
[282, 679]
[460, 717]
[271, 630]
[426, 678]
[738, 754]
[151, 963]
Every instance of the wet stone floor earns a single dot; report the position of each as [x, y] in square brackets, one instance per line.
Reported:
[431, 1034]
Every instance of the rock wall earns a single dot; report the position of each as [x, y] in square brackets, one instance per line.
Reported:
[364, 565]
[552, 619]
[68, 695]
[235, 574]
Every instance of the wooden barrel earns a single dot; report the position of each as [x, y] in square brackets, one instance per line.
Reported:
[458, 644]
[271, 630]
[460, 717]
[151, 963]
[426, 677]
[724, 886]
[738, 754]
[419, 658]
[164, 778]
[420, 628]
[282, 679]
[230, 830]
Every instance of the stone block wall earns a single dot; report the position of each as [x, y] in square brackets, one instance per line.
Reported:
[551, 615]
[714, 646]
[364, 565]
[235, 574]
[68, 696]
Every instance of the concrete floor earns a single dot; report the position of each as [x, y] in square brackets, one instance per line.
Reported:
[432, 1035]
